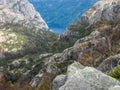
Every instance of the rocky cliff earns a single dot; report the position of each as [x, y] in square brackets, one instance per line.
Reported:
[22, 29]
[108, 10]
[7, 16]
[26, 10]
[101, 11]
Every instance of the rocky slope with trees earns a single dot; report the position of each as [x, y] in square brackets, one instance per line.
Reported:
[96, 45]
[22, 30]
[92, 63]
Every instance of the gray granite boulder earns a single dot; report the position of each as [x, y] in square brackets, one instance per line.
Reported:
[87, 78]
[115, 88]
[59, 81]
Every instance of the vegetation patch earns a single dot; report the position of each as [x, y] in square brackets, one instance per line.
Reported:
[116, 73]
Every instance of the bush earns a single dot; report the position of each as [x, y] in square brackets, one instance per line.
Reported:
[116, 73]
[12, 77]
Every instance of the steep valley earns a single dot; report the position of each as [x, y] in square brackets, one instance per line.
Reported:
[61, 13]
[85, 57]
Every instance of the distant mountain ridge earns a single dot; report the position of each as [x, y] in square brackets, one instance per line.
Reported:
[61, 13]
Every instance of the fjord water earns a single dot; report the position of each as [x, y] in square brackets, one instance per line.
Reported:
[59, 14]
[57, 30]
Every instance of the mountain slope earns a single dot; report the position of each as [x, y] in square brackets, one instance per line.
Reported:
[22, 30]
[100, 48]
[61, 13]
[103, 41]
[25, 9]
[101, 11]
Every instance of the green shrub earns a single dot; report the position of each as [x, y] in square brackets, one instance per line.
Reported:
[13, 77]
[116, 73]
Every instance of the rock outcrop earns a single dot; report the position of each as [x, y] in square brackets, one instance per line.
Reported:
[7, 16]
[115, 88]
[87, 78]
[26, 12]
[101, 11]
[59, 81]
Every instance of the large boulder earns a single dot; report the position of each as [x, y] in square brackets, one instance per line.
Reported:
[87, 78]
[59, 81]
[115, 88]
